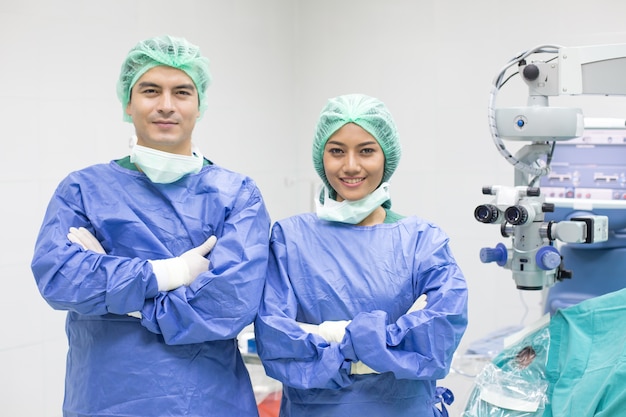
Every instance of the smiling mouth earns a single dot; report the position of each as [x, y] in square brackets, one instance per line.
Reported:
[352, 180]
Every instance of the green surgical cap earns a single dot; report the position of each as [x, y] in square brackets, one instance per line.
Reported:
[369, 113]
[167, 51]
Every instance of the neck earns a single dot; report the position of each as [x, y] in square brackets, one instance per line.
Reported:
[178, 148]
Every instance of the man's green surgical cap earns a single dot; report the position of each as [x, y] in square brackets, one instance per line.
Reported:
[369, 113]
[168, 51]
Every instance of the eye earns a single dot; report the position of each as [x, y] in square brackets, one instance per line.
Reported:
[184, 92]
[368, 151]
[335, 151]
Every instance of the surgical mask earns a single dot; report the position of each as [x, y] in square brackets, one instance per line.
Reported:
[164, 167]
[352, 212]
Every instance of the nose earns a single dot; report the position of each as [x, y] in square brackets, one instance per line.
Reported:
[352, 164]
[165, 105]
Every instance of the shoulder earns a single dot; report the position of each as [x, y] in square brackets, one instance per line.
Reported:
[236, 193]
[90, 173]
[299, 225]
[220, 175]
[299, 221]
[423, 229]
[420, 222]
[413, 222]
[225, 183]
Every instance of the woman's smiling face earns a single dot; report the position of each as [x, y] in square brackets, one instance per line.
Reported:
[354, 162]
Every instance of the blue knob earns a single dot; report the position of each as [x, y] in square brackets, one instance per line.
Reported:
[498, 254]
[548, 257]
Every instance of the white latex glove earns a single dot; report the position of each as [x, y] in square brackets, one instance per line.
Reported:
[332, 331]
[309, 328]
[335, 330]
[175, 272]
[85, 239]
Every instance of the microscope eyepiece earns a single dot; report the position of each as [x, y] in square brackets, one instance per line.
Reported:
[486, 213]
[516, 215]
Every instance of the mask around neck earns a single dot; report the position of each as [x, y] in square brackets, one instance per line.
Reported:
[164, 167]
[352, 212]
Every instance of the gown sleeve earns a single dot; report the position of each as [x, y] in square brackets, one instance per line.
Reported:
[420, 344]
[225, 299]
[216, 306]
[289, 354]
[82, 281]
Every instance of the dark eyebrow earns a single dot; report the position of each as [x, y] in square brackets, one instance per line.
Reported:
[185, 87]
[145, 84]
[368, 143]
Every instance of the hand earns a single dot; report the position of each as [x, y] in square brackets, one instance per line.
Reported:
[196, 259]
[183, 270]
[309, 328]
[331, 331]
[85, 239]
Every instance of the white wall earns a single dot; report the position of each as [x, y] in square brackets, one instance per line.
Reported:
[60, 62]
[274, 64]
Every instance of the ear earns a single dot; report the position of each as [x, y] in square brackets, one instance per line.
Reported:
[128, 112]
[198, 113]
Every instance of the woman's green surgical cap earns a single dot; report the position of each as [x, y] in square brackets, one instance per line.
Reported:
[168, 51]
[369, 113]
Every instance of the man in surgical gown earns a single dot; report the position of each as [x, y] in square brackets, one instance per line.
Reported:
[342, 323]
[128, 249]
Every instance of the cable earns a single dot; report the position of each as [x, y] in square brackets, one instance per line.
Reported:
[526, 309]
[491, 112]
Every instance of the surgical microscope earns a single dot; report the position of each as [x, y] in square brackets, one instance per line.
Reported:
[566, 212]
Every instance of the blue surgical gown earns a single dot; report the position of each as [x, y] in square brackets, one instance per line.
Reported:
[181, 358]
[320, 271]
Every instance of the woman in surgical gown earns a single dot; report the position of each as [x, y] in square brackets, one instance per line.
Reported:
[363, 308]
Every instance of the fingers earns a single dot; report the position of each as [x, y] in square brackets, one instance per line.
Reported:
[90, 240]
[206, 247]
[72, 237]
[84, 238]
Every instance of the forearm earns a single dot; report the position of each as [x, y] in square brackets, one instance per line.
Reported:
[297, 358]
[92, 284]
